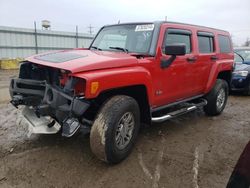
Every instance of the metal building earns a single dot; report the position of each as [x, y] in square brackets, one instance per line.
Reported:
[21, 42]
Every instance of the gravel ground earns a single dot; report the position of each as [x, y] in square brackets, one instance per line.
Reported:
[190, 151]
[5, 76]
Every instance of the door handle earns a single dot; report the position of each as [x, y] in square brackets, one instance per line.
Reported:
[214, 58]
[191, 59]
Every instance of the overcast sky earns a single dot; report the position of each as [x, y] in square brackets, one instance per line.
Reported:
[231, 15]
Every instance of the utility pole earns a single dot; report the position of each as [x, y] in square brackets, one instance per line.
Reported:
[35, 34]
[76, 36]
[90, 29]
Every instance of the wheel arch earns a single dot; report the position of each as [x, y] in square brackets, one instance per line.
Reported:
[225, 75]
[138, 92]
[221, 70]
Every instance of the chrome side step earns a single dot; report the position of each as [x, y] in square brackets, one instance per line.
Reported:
[179, 112]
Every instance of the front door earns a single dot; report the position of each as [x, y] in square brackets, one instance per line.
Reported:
[176, 81]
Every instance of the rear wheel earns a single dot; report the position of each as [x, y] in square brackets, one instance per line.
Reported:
[217, 98]
[115, 129]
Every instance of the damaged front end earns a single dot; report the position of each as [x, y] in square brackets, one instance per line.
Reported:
[53, 99]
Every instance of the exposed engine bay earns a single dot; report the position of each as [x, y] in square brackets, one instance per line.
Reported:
[51, 93]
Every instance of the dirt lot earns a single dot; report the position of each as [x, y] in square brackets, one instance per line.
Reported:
[191, 151]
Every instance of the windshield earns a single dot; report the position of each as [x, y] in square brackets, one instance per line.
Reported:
[132, 38]
[245, 54]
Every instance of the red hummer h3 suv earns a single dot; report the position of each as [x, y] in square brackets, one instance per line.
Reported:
[132, 74]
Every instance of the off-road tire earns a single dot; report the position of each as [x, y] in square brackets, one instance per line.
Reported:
[212, 109]
[104, 130]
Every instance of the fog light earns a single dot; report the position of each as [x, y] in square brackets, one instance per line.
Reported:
[70, 126]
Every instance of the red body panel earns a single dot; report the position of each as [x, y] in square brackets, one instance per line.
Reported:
[180, 81]
[91, 60]
[184, 80]
[118, 78]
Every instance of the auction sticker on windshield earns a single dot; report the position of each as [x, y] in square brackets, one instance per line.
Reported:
[147, 27]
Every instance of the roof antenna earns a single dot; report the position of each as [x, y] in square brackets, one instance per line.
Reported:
[166, 18]
[118, 21]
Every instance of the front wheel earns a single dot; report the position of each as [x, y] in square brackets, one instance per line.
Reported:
[217, 98]
[115, 129]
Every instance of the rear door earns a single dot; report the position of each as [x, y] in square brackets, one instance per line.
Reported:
[205, 59]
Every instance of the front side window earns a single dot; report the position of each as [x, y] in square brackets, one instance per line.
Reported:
[206, 44]
[131, 38]
[224, 43]
[178, 38]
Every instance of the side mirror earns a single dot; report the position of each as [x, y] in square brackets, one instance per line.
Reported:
[173, 50]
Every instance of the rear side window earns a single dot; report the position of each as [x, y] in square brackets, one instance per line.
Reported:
[176, 36]
[206, 42]
[224, 43]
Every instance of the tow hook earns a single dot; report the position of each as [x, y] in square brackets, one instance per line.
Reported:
[17, 100]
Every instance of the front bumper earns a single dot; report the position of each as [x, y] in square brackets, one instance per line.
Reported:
[240, 83]
[43, 100]
[38, 125]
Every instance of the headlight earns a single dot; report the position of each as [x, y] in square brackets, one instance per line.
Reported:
[241, 73]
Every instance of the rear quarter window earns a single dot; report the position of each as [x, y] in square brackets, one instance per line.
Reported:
[225, 44]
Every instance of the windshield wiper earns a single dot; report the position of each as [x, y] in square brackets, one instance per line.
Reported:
[96, 48]
[119, 48]
[139, 55]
